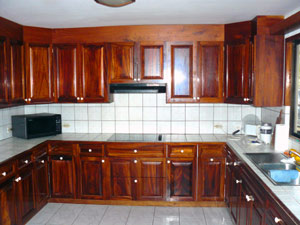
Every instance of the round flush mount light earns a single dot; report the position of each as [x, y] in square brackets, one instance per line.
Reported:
[115, 3]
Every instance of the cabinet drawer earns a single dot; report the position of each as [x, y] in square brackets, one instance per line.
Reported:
[40, 151]
[182, 151]
[91, 149]
[61, 148]
[212, 150]
[24, 160]
[61, 157]
[6, 170]
[135, 150]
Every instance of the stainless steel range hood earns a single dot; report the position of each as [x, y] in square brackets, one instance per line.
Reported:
[138, 88]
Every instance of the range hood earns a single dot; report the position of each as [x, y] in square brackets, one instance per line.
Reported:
[138, 88]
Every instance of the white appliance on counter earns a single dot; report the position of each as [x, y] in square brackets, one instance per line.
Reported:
[251, 129]
[262, 132]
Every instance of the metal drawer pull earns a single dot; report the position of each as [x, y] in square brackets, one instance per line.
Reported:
[182, 151]
[103, 161]
[135, 151]
[61, 158]
[277, 220]
[4, 174]
[236, 163]
[135, 161]
[238, 181]
[249, 198]
[168, 161]
[43, 161]
[90, 150]
[135, 181]
[26, 161]
[211, 159]
[18, 179]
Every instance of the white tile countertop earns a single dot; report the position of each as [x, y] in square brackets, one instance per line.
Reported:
[289, 195]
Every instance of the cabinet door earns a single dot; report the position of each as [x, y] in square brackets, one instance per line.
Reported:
[121, 179]
[7, 203]
[94, 79]
[3, 71]
[238, 79]
[66, 72]
[235, 193]
[26, 194]
[39, 82]
[151, 62]
[180, 85]
[17, 78]
[62, 176]
[42, 181]
[181, 179]
[121, 62]
[210, 71]
[244, 207]
[91, 178]
[212, 177]
[151, 181]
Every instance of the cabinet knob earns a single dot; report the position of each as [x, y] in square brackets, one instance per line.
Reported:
[277, 220]
[26, 161]
[238, 181]
[182, 151]
[43, 161]
[135, 79]
[135, 161]
[236, 163]
[139, 79]
[29, 99]
[135, 151]
[103, 161]
[78, 98]
[249, 198]
[211, 159]
[18, 179]
[135, 181]
[168, 161]
[26, 99]
[81, 98]
[198, 80]
[198, 98]
[4, 174]
[90, 150]
[61, 158]
[228, 163]
[194, 98]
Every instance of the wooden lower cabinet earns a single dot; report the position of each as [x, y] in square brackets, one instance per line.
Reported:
[91, 178]
[25, 194]
[62, 177]
[181, 179]
[7, 203]
[41, 176]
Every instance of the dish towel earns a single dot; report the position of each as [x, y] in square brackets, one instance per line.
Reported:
[284, 176]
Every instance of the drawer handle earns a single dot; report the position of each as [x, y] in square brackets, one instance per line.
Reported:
[43, 161]
[236, 163]
[135, 181]
[238, 181]
[182, 151]
[168, 161]
[103, 161]
[90, 150]
[135, 151]
[211, 159]
[228, 163]
[277, 220]
[249, 198]
[61, 158]
[135, 161]
[26, 161]
[4, 174]
[18, 179]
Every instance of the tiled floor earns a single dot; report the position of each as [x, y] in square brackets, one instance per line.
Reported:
[76, 214]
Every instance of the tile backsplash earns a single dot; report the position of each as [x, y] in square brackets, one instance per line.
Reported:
[144, 113]
[5, 120]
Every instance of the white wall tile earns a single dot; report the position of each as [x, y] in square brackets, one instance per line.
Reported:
[135, 113]
[149, 113]
[108, 127]
[206, 127]
[149, 99]
[220, 127]
[177, 127]
[55, 108]
[81, 127]
[122, 126]
[163, 113]
[81, 112]
[192, 127]
[1, 119]
[164, 127]
[68, 112]
[94, 112]
[122, 113]
[233, 126]
[135, 99]
[249, 114]
[220, 113]
[178, 113]
[95, 126]
[41, 108]
[108, 113]
[206, 112]
[6, 117]
[149, 127]
[192, 113]
[162, 100]
[68, 126]
[234, 113]
[121, 99]
[135, 127]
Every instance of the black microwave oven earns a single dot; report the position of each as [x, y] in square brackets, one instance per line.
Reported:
[36, 125]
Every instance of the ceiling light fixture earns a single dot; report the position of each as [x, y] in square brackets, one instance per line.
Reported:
[115, 3]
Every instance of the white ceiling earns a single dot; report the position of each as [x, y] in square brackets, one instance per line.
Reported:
[87, 13]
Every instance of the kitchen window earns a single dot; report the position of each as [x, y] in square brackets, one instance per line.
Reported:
[295, 103]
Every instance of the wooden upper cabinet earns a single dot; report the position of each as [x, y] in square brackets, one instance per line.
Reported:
[3, 71]
[65, 64]
[17, 77]
[121, 62]
[210, 71]
[94, 79]
[180, 85]
[151, 66]
[39, 82]
[238, 79]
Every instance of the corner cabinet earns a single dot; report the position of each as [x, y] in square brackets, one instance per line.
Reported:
[39, 79]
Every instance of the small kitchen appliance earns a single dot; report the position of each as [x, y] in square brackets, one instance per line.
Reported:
[264, 133]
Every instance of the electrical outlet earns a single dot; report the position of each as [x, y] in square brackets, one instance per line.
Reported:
[218, 126]
[8, 130]
[66, 125]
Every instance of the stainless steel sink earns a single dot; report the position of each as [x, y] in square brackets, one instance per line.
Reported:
[268, 162]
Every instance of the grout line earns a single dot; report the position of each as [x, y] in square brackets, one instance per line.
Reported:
[107, 206]
[79, 214]
[128, 215]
